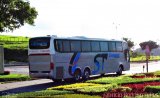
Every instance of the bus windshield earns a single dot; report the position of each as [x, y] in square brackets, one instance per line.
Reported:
[39, 43]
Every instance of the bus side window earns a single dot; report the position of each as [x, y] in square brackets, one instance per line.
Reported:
[86, 46]
[119, 46]
[104, 46]
[59, 46]
[95, 46]
[75, 46]
[66, 46]
[112, 46]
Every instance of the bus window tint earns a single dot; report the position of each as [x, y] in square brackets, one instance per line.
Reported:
[59, 46]
[104, 46]
[86, 47]
[112, 46]
[75, 46]
[66, 46]
[95, 46]
[39, 43]
[119, 46]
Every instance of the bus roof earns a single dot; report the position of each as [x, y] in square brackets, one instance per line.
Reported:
[79, 38]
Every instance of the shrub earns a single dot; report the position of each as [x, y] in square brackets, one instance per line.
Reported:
[97, 89]
[16, 55]
[152, 89]
[122, 89]
[157, 73]
[5, 73]
[86, 88]
[75, 96]
[73, 86]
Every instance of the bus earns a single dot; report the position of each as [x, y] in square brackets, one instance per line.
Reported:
[76, 57]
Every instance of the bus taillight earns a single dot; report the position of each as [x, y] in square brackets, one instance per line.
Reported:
[51, 65]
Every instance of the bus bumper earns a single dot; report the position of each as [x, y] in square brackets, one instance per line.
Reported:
[40, 75]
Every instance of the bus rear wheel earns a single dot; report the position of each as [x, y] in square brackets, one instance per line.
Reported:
[86, 74]
[119, 72]
[57, 80]
[77, 75]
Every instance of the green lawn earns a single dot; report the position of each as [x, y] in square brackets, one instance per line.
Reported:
[14, 42]
[143, 58]
[121, 80]
[50, 94]
[92, 88]
[13, 77]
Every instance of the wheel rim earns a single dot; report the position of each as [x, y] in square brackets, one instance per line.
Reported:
[86, 74]
[120, 70]
[77, 76]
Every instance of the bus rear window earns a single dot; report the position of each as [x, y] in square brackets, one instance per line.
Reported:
[39, 43]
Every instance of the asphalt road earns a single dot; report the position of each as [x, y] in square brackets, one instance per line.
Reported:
[135, 68]
[42, 84]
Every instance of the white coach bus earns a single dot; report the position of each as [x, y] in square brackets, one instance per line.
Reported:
[63, 58]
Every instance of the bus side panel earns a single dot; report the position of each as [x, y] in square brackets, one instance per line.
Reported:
[61, 67]
[86, 60]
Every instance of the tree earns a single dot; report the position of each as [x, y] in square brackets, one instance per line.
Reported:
[151, 44]
[130, 43]
[15, 13]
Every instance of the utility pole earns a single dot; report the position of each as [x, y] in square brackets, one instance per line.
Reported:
[147, 52]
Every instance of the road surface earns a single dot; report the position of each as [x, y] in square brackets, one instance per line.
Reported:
[42, 84]
[135, 68]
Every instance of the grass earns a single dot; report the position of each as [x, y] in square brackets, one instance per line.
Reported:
[14, 42]
[76, 96]
[91, 87]
[50, 94]
[44, 93]
[13, 77]
[143, 58]
[73, 86]
[121, 80]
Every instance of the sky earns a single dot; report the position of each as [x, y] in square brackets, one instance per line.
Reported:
[138, 20]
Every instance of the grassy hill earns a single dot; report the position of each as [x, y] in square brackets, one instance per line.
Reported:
[14, 42]
[15, 48]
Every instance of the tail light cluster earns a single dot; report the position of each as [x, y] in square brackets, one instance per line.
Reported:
[51, 65]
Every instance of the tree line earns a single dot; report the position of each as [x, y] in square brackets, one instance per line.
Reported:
[151, 44]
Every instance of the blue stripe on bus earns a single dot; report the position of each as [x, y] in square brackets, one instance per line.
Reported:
[97, 68]
[113, 55]
[75, 62]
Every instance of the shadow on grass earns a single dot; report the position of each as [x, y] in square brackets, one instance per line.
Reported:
[44, 86]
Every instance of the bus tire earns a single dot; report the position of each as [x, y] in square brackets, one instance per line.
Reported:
[57, 80]
[77, 75]
[103, 74]
[120, 69]
[86, 74]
